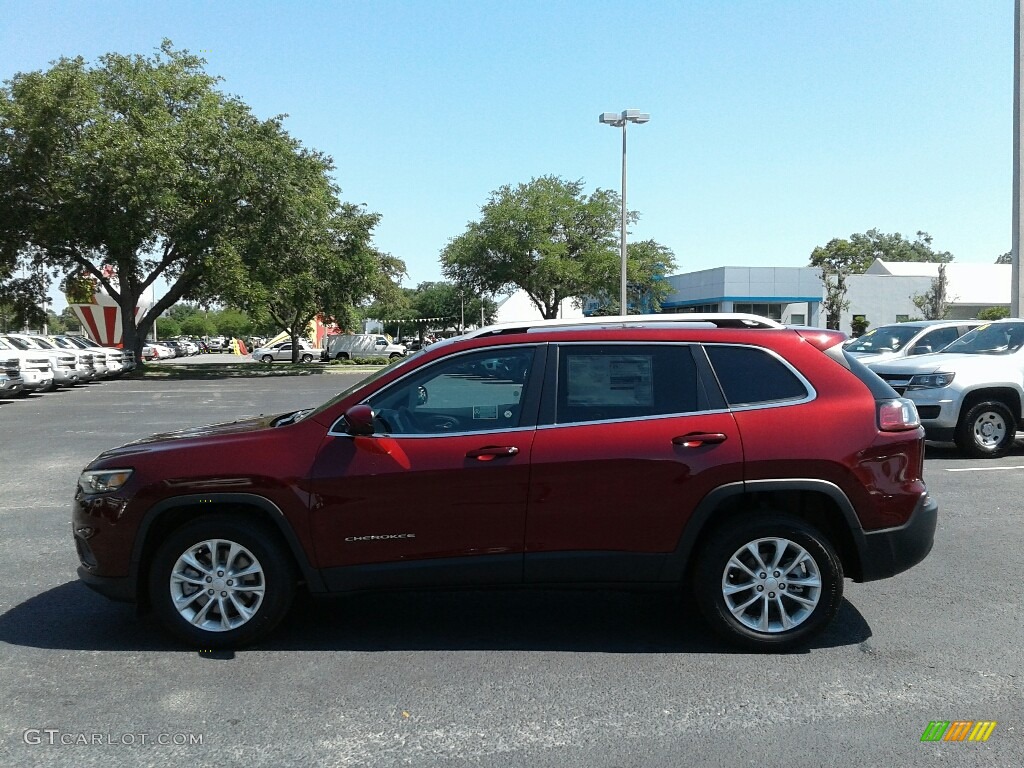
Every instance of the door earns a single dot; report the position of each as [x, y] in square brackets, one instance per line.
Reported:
[628, 443]
[437, 495]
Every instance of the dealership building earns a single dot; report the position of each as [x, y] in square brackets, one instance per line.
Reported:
[883, 294]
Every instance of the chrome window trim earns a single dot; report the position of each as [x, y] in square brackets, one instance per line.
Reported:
[811, 396]
[526, 344]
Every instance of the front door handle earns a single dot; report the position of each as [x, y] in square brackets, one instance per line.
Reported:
[697, 439]
[489, 452]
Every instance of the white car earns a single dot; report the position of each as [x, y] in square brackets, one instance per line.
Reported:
[34, 364]
[283, 351]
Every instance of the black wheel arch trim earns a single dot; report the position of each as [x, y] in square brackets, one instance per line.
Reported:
[703, 515]
[312, 577]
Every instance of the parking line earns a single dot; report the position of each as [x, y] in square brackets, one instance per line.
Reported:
[981, 469]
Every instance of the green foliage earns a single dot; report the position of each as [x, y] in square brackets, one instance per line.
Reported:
[993, 313]
[546, 237]
[934, 303]
[138, 164]
[167, 328]
[232, 323]
[859, 325]
[648, 266]
[198, 325]
[840, 258]
[307, 253]
[1006, 258]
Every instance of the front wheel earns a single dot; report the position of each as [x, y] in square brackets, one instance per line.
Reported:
[341, 356]
[770, 583]
[221, 582]
[267, 359]
[986, 431]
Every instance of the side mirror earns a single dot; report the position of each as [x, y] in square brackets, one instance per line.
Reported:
[359, 419]
[921, 349]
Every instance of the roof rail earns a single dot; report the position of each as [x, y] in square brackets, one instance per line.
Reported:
[705, 319]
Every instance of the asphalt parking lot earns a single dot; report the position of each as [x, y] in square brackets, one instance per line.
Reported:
[488, 679]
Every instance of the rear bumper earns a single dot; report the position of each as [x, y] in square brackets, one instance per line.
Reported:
[893, 550]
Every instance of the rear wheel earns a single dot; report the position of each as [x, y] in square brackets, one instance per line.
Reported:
[987, 430]
[769, 583]
[221, 582]
[307, 358]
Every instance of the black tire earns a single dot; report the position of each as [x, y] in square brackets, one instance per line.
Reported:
[307, 358]
[341, 356]
[986, 430]
[768, 595]
[275, 574]
[267, 359]
[394, 356]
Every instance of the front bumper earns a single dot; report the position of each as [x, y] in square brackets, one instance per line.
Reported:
[890, 551]
[120, 588]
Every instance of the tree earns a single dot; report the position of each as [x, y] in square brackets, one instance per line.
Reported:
[841, 258]
[198, 324]
[128, 171]
[546, 237]
[1006, 258]
[308, 254]
[993, 313]
[648, 265]
[934, 303]
[233, 323]
[836, 260]
[167, 328]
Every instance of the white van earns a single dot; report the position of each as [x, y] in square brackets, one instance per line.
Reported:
[349, 345]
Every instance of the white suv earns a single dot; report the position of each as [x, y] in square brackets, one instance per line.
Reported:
[971, 392]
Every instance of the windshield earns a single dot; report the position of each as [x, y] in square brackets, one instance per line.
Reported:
[888, 338]
[17, 342]
[991, 339]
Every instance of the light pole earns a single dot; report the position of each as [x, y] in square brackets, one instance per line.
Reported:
[620, 120]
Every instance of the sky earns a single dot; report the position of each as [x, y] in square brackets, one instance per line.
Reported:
[775, 126]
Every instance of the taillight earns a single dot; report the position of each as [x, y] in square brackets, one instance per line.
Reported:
[897, 415]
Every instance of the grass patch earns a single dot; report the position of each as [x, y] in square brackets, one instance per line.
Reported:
[223, 371]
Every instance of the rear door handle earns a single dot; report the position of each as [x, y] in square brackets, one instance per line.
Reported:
[489, 452]
[697, 439]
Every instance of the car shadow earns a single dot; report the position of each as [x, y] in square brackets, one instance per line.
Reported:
[71, 617]
[949, 451]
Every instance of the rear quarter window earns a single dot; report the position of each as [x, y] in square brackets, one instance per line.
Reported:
[751, 376]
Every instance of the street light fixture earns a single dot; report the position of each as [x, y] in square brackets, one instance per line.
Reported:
[619, 120]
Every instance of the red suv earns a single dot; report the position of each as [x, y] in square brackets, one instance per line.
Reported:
[756, 464]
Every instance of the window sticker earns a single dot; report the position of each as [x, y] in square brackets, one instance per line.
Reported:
[610, 380]
[485, 411]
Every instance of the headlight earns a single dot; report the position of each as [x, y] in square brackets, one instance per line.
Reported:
[103, 480]
[930, 380]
